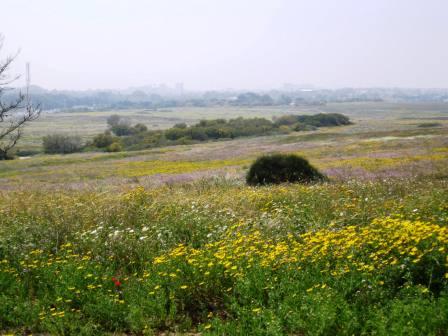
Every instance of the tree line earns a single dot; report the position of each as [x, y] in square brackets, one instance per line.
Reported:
[121, 135]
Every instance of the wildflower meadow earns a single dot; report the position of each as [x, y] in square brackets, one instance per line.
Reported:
[222, 258]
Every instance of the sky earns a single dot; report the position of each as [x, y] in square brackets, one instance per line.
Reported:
[219, 44]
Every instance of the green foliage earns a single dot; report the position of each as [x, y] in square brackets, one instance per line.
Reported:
[103, 140]
[317, 120]
[180, 125]
[280, 168]
[299, 127]
[27, 152]
[115, 147]
[430, 124]
[62, 144]
[61, 251]
[325, 119]
[175, 133]
[221, 129]
[121, 130]
[140, 263]
[286, 120]
[122, 127]
[139, 128]
[139, 137]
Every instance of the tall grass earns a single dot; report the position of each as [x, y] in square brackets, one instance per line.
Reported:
[223, 258]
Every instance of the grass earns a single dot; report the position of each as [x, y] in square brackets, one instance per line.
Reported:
[225, 258]
[91, 245]
[88, 124]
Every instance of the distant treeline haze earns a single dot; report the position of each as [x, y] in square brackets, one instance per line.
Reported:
[142, 98]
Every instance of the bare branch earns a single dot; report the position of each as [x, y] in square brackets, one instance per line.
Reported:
[15, 113]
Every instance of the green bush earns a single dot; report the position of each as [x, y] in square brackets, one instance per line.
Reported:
[121, 130]
[317, 120]
[430, 124]
[62, 144]
[139, 137]
[175, 133]
[298, 127]
[27, 152]
[103, 140]
[115, 147]
[279, 168]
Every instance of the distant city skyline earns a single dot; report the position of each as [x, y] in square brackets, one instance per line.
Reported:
[216, 45]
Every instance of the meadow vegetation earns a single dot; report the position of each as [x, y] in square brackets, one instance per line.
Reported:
[219, 257]
[172, 240]
[121, 135]
[95, 122]
[61, 144]
[138, 137]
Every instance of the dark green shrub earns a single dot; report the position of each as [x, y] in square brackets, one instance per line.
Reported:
[62, 144]
[115, 147]
[288, 119]
[122, 130]
[175, 133]
[324, 119]
[283, 129]
[430, 124]
[180, 125]
[139, 137]
[139, 128]
[316, 120]
[27, 152]
[279, 168]
[198, 134]
[122, 126]
[303, 127]
[103, 140]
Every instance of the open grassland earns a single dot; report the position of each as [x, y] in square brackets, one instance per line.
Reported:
[222, 258]
[88, 124]
[364, 150]
[172, 240]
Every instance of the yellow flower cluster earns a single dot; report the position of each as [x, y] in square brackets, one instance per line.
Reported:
[385, 242]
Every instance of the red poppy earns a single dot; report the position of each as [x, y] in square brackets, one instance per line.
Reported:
[117, 282]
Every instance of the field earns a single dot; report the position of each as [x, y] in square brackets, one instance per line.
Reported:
[88, 124]
[171, 240]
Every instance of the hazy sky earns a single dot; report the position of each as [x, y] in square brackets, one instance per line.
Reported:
[216, 44]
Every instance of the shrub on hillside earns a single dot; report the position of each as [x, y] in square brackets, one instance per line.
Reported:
[175, 133]
[299, 127]
[279, 168]
[430, 124]
[316, 120]
[121, 130]
[27, 152]
[122, 126]
[324, 119]
[103, 140]
[115, 147]
[139, 128]
[139, 137]
[62, 144]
